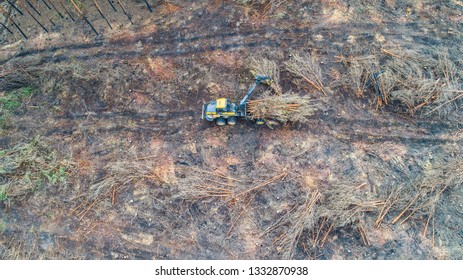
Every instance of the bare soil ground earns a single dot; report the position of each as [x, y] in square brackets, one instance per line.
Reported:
[145, 178]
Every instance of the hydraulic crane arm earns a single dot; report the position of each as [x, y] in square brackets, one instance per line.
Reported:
[259, 79]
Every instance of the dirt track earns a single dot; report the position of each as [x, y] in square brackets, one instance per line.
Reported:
[181, 42]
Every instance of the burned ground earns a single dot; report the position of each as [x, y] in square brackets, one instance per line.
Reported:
[133, 173]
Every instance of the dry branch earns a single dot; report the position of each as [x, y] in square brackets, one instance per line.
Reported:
[363, 235]
[308, 68]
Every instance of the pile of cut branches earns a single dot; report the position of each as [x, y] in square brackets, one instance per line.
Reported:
[264, 66]
[416, 80]
[284, 108]
[307, 67]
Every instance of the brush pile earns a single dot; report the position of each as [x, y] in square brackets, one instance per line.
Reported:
[307, 67]
[427, 82]
[263, 66]
[289, 107]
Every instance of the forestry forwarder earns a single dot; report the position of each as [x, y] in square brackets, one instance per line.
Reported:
[225, 112]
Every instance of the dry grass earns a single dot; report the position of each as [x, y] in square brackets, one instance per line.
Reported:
[307, 67]
[127, 171]
[262, 66]
[28, 167]
[289, 107]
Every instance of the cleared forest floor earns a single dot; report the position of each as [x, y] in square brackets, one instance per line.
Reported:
[103, 154]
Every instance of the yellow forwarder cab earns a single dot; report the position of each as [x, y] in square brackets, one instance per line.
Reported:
[222, 111]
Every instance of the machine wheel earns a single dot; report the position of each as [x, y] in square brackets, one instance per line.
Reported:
[231, 120]
[220, 121]
[260, 121]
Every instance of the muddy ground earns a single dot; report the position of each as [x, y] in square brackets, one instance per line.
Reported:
[123, 109]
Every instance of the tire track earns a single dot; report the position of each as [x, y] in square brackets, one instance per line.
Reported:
[331, 126]
[180, 42]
